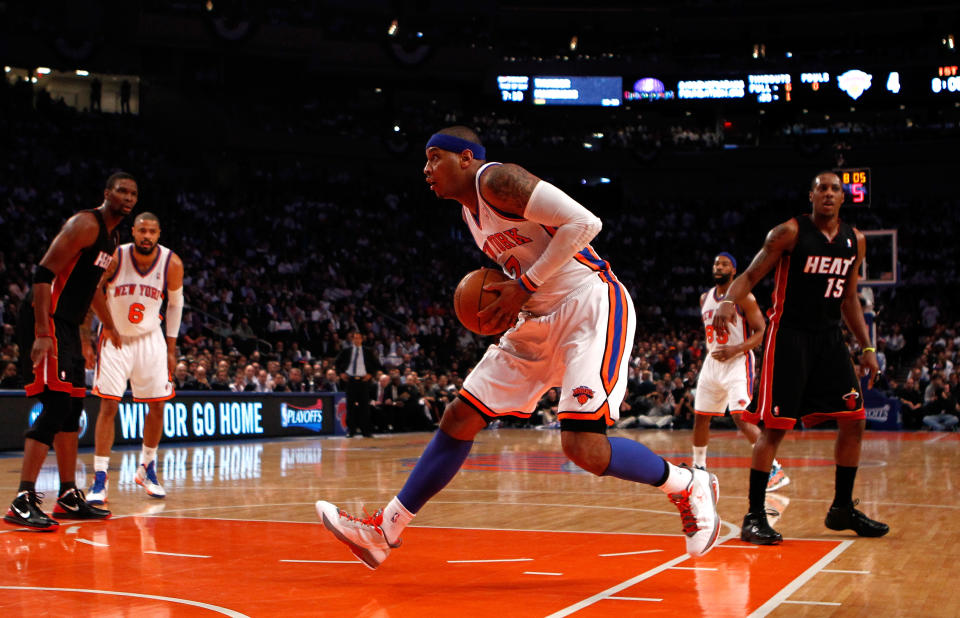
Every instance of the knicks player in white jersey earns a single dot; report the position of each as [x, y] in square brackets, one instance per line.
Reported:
[726, 378]
[142, 275]
[570, 321]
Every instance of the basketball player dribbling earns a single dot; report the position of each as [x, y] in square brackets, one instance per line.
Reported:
[572, 324]
[726, 378]
[807, 372]
[142, 276]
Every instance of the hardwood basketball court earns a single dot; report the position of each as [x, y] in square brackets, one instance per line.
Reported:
[519, 532]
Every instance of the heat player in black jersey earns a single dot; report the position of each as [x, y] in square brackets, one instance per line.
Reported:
[51, 351]
[807, 371]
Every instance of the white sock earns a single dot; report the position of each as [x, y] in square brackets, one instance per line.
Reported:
[395, 519]
[101, 464]
[677, 479]
[700, 456]
[147, 454]
[775, 462]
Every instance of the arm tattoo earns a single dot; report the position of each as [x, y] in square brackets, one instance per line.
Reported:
[509, 186]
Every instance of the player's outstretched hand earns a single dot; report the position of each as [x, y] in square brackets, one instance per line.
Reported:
[504, 310]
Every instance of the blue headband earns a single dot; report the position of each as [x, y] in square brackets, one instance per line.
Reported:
[732, 259]
[457, 145]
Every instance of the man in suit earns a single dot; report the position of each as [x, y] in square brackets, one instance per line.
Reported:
[356, 365]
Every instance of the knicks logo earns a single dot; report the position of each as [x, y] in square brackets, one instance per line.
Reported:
[851, 399]
[582, 394]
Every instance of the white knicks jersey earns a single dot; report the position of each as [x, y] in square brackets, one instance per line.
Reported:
[736, 331]
[135, 297]
[516, 244]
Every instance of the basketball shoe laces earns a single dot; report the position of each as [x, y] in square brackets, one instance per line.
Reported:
[687, 518]
[372, 521]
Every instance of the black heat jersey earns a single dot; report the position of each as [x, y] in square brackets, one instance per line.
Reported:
[810, 282]
[72, 290]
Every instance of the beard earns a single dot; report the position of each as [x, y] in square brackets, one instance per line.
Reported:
[144, 250]
[722, 279]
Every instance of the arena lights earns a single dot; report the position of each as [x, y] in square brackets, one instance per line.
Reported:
[82, 73]
[43, 71]
[392, 29]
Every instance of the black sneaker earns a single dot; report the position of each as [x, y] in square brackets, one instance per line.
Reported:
[25, 511]
[757, 530]
[849, 518]
[72, 505]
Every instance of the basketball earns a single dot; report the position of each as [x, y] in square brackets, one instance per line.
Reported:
[470, 298]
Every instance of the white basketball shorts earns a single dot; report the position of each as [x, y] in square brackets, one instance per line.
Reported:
[726, 384]
[142, 360]
[583, 347]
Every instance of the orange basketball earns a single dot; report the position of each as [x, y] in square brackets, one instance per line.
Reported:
[470, 298]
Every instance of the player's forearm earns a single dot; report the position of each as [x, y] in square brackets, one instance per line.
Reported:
[576, 227]
[41, 309]
[853, 318]
[102, 311]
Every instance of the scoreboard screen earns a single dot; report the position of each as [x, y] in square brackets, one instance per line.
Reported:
[856, 185]
[601, 91]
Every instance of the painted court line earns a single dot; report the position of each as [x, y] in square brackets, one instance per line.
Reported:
[812, 603]
[609, 592]
[214, 608]
[633, 599]
[493, 560]
[695, 568]
[540, 573]
[784, 594]
[631, 553]
[94, 543]
[164, 553]
[326, 561]
[843, 571]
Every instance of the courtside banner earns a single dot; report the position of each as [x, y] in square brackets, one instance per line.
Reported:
[194, 416]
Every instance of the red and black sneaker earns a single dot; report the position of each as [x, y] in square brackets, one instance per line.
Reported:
[73, 505]
[25, 512]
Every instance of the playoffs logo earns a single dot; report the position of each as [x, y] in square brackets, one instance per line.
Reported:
[851, 399]
[582, 394]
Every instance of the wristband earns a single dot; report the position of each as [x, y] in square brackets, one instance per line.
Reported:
[726, 301]
[874, 350]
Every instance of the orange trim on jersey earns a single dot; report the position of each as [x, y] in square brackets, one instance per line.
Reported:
[816, 418]
[702, 412]
[616, 337]
[471, 400]
[96, 391]
[602, 412]
[46, 373]
[766, 374]
[164, 398]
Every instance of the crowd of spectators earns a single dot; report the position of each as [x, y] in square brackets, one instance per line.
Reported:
[283, 258]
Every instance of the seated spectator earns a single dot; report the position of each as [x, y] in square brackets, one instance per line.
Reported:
[944, 411]
[221, 380]
[912, 404]
[331, 382]
[545, 416]
[296, 384]
[182, 380]
[10, 378]
[200, 382]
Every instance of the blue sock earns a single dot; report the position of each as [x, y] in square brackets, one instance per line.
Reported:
[440, 462]
[632, 461]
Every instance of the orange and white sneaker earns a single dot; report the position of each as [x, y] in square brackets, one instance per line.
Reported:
[698, 511]
[778, 478]
[147, 478]
[364, 537]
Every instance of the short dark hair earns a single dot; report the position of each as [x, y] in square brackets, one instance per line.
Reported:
[146, 216]
[112, 180]
[813, 183]
[463, 133]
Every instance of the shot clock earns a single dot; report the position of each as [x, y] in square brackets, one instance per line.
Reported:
[856, 185]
